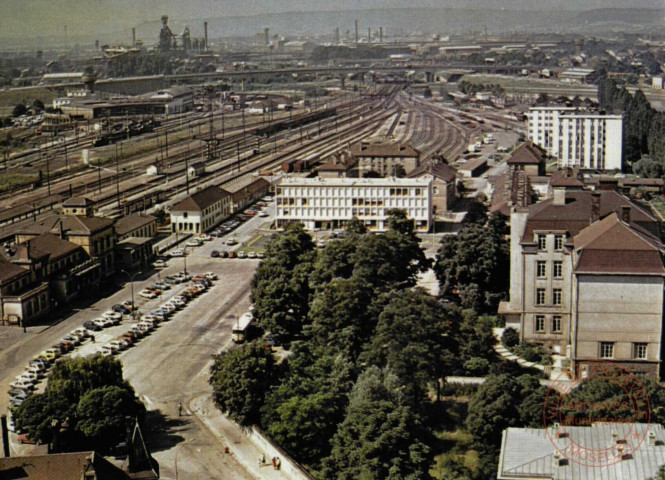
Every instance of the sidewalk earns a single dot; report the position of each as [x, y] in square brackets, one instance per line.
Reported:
[232, 436]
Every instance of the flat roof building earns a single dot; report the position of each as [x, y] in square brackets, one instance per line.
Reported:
[328, 203]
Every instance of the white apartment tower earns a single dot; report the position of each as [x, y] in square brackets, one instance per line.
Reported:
[578, 138]
[325, 203]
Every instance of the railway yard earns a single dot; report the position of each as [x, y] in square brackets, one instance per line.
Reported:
[245, 146]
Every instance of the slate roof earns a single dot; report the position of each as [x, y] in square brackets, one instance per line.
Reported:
[526, 154]
[611, 246]
[529, 453]
[384, 150]
[567, 178]
[71, 224]
[9, 271]
[132, 222]
[78, 202]
[61, 466]
[576, 214]
[52, 245]
[439, 170]
[200, 200]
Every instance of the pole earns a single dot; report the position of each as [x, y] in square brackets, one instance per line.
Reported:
[48, 174]
[166, 135]
[184, 257]
[99, 178]
[117, 176]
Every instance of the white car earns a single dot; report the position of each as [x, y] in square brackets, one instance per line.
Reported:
[147, 294]
[251, 254]
[119, 345]
[194, 242]
[145, 326]
[178, 302]
[242, 255]
[263, 214]
[22, 384]
[169, 307]
[36, 369]
[204, 237]
[103, 322]
[112, 315]
[178, 252]
[28, 376]
[81, 332]
[160, 264]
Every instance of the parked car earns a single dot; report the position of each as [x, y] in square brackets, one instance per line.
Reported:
[231, 241]
[72, 339]
[118, 345]
[210, 275]
[194, 242]
[251, 254]
[214, 254]
[160, 263]
[22, 384]
[54, 352]
[263, 215]
[224, 254]
[261, 255]
[204, 237]
[115, 316]
[178, 252]
[161, 286]
[92, 326]
[242, 255]
[119, 308]
[148, 294]
[16, 393]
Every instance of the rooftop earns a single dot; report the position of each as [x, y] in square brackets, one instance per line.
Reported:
[201, 200]
[530, 453]
[354, 182]
[60, 466]
[131, 222]
[526, 154]
[439, 170]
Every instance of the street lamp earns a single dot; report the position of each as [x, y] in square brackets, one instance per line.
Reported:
[184, 257]
[131, 283]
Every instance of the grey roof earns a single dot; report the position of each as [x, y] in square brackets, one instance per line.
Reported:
[529, 453]
[200, 200]
[132, 222]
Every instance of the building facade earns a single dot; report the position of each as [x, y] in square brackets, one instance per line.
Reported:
[587, 278]
[326, 203]
[385, 158]
[588, 140]
[201, 211]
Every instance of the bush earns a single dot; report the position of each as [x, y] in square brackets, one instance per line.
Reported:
[532, 353]
[476, 366]
[510, 337]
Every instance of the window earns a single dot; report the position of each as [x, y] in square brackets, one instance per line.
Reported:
[542, 242]
[558, 242]
[606, 349]
[640, 351]
[540, 296]
[540, 323]
[557, 270]
[556, 324]
[541, 269]
[556, 296]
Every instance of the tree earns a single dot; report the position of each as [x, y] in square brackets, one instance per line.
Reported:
[38, 104]
[412, 339]
[89, 395]
[103, 414]
[475, 264]
[19, 109]
[280, 286]
[380, 438]
[510, 337]
[240, 379]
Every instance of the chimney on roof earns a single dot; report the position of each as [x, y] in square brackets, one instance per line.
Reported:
[402, 148]
[558, 459]
[559, 195]
[652, 439]
[625, 213]
[62, 231]
[595, 206]
[615, 437]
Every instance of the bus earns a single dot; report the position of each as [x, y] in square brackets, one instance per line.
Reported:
[239, 331]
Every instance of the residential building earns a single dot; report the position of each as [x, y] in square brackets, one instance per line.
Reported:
[444, 184]
[327, 203]
[135, 225]
[385, 158]
[77, 225]
[342, 164]
[134, 253]
[200, 211]
[539, 453]
[587, 278]
[578, 138]
[22, 298]
[528, 157]
[247, 191]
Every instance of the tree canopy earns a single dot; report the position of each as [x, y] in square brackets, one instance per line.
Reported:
[88, 400]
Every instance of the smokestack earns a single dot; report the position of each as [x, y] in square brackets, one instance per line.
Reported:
[369, 34]
[356, 31]
[380, 34]
[267, 35]
[133, 37]
[205, 36]
[5, 435]
[337, 35]
[595, 206]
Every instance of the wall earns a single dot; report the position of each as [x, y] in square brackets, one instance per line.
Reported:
[289, 466]
[620, 309]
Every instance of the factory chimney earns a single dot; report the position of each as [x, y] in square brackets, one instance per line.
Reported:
[369, 34]
[267, 35]
[380, 34]
[133, 37]
[205, 36]
[337, 36]
[356, 31]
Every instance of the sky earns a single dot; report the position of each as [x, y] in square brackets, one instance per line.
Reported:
[35, 17]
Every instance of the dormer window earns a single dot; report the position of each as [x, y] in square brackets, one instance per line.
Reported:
[542, 241]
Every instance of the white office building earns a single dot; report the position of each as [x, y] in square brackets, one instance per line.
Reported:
[578, 138]
[327, 203]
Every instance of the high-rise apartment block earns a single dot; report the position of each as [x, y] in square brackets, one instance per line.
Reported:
[578, 138]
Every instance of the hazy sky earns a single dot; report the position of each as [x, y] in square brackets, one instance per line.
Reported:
[35, 17]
